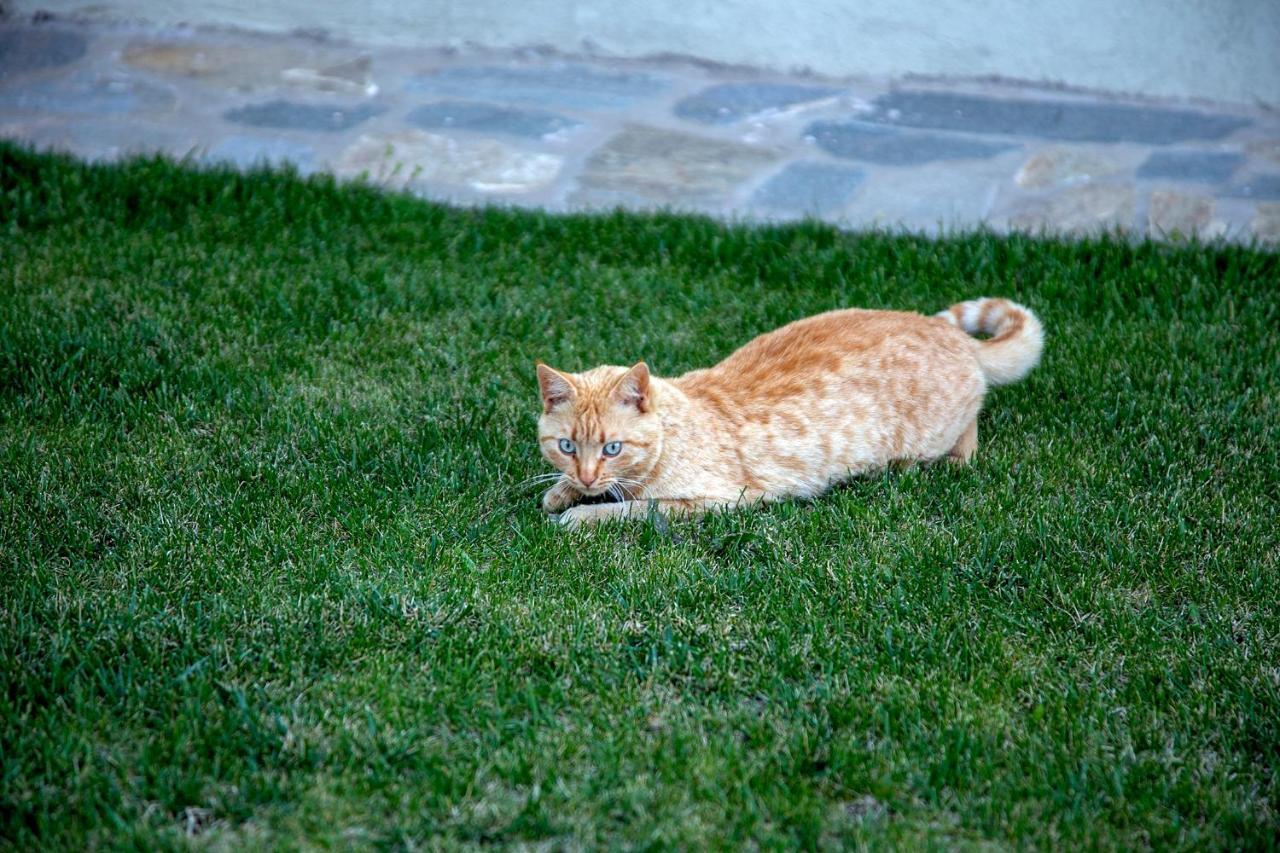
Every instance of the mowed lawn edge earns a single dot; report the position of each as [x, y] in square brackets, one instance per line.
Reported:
[271, 571]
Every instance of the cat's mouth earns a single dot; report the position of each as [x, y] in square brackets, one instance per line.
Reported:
[608, 493]
[605, 497]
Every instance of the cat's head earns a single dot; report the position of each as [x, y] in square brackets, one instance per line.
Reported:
[599, 427]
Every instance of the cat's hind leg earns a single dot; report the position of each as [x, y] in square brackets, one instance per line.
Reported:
[966, 445]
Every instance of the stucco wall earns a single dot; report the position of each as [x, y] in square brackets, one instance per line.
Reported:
[1224, 50]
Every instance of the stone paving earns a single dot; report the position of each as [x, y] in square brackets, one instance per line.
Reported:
[533, 129]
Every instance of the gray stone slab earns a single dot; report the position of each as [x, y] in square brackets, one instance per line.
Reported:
[730, 102]
[1265, 186]
[931, 199]
[1068, 120]
[488, 118]
[892, 147]
[805, 187]
[1210, 167]
[294, 115]
[25, 50]
[87, 95]
[569, 86]
[248, 151]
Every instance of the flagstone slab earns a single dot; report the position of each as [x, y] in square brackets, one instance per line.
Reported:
[1172, 212]
[889, 146]
[1267, 149]
[1076, 121]
[672, 167]
[295, 115]
[1084, 209]
[1210, 167]
[1264, 186]
[1266, 222]
[934, 198]
[88, 95]
[255, 65]
[411, 158]
[36, 49]
[489, 118]
[809, 188]
[1054, 167]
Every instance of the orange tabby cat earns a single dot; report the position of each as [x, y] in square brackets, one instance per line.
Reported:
[788, 415]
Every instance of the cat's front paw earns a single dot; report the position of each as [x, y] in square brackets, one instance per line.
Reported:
[576, 516]
[559, 496]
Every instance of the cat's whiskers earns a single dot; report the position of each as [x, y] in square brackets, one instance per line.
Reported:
[628, 488]
[537, 479]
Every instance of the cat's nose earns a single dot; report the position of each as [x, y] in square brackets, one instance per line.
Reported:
[587, 479]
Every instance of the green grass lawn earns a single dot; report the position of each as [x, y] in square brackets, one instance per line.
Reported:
[267, 569]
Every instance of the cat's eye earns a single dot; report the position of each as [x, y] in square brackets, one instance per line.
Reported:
[613, 448]
[567, 447]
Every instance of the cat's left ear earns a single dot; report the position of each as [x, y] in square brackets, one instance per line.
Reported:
[633, 388]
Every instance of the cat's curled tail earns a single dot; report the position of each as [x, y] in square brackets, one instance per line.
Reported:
[1016, 341]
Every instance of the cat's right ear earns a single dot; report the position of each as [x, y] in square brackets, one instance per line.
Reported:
[555, 386]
